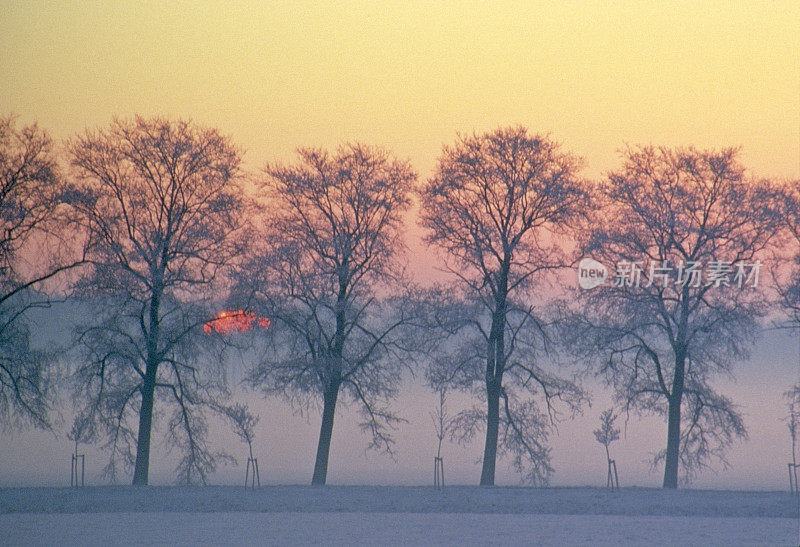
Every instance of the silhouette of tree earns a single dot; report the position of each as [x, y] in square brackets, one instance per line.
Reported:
[685, 230]
[787, 282]
[494, 207]
[441, 419]
[32, 253]
[243, 421]
[607, 433]
[161, 204]
[793, 418]
[328, 275]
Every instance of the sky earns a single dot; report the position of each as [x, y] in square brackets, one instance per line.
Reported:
[595, 76]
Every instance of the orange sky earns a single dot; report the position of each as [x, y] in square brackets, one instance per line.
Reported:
[408, 76]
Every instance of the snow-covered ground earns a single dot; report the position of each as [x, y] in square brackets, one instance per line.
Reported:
[389, 529]
[346, 515]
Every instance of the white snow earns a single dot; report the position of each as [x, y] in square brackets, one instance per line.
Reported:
[359, 515]
[389, 529]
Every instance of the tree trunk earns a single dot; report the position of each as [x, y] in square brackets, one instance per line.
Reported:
[495, 365]
[492, 428]
[142, 469]
[672, 459]
[325, 431]
[673, 444]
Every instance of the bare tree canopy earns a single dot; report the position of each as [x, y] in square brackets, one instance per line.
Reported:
[328, 275]
[607, 433]
[243, 421]
[685, 230]
[441, 419]
[31, 253]
[788, 279]
[495, 207]
[787, 283]
[161, 204]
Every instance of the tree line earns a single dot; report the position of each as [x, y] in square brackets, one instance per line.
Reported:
[153, 226]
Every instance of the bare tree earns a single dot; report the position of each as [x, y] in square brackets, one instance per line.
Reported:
[243, 421]
[607, 433]
[244, 426]
[83, 428]
[327, 276]
[793, 419]
[786, 277]
[441, 419]
[494, 207]
[161, 204]
[32, 253]
[83, 431]
[442, 424]
[685, 230]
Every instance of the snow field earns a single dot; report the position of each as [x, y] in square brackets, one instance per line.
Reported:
[245, 528]
[394, 515]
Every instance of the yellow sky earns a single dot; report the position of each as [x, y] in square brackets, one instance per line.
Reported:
[595, 75]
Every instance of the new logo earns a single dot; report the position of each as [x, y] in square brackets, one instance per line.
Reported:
[591, 273]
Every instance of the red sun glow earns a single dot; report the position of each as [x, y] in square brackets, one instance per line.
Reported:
[235, 321]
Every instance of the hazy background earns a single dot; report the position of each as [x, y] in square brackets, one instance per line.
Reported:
[594, 75]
